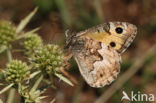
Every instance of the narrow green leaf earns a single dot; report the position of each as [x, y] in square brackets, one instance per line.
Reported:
[42, 97]
[6, 88]
[34, 74]
[36, 84]
[32, 31]
[53, 100]
[27, 33]
[64, 79]
[25, 21]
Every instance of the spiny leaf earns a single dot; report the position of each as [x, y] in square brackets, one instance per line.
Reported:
[25, 21]
[53, 100]
[64, 79]
[27, 33]
[34, 74]
[6, 88]
[36, 84]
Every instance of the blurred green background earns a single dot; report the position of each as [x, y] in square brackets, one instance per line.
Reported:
[55, 16]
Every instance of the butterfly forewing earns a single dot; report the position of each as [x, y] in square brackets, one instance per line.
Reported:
[108, 34]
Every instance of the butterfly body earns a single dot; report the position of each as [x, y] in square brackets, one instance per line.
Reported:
[97, 51]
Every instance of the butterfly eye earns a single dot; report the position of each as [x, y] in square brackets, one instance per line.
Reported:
[119, 30]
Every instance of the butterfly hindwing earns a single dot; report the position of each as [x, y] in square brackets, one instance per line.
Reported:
[96, 64]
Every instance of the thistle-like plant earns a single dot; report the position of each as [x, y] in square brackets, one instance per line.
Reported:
[7, 33]
[48, 58]
[17, 71]
[32, 42]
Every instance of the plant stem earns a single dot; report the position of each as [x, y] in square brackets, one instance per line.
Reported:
[9, 54]
[12, 90]
[36, 84]
[11, 95]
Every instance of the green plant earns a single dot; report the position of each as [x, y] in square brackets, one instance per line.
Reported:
[17, 71]
[31, 43]
[43, 59]
[7, 32]
[48, 58]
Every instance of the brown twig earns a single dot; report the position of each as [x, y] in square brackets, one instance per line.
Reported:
[138, 63]
[66, 67]
[69, 76]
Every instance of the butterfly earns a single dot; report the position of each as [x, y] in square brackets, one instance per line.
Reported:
[98, 50]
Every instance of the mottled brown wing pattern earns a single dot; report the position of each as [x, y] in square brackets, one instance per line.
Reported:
[96, 64]
[97, 50]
